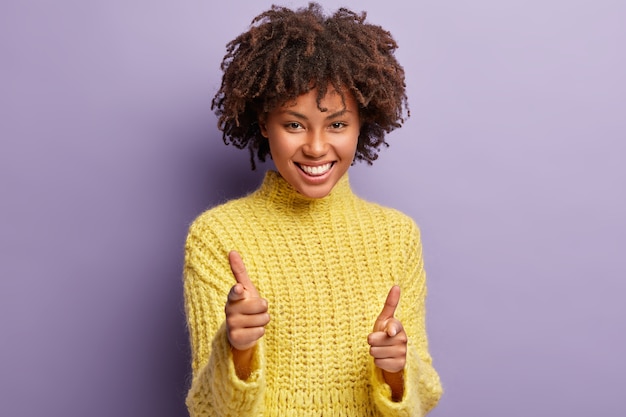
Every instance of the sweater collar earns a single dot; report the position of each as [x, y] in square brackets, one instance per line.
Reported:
[278, 192]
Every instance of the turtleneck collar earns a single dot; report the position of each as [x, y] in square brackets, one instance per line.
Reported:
[279, 193]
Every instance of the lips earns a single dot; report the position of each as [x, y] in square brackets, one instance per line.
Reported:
[317, 170]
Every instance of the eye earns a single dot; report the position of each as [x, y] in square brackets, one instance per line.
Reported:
[337, 125]
[293, 126]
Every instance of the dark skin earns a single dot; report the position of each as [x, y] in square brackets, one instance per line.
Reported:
[247, 315]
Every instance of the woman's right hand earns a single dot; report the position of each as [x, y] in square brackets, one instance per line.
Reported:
[246, 311]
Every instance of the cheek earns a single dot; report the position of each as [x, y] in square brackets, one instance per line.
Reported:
[279, 149]
[353, 145]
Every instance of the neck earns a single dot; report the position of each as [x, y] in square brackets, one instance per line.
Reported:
[278, 191]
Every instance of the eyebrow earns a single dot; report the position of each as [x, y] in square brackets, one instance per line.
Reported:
[330, 116]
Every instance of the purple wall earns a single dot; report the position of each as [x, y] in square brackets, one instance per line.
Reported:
[512, 163]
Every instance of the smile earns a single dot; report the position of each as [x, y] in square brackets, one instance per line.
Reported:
[315, 171]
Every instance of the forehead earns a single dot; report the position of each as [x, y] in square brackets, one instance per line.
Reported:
[332, 100]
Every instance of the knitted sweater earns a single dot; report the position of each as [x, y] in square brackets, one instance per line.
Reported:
[325, 266]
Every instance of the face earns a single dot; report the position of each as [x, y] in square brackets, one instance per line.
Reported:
[311, 149]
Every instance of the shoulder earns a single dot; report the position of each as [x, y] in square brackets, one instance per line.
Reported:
[219, 223]
[388, 216]
[223, 212]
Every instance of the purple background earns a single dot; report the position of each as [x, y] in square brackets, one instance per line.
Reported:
[512, 164]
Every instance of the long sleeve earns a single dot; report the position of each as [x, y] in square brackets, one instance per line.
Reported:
[215, 389]
[302, 254]
[422, 388]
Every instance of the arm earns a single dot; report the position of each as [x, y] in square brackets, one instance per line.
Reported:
[421, 385]
[216, 389]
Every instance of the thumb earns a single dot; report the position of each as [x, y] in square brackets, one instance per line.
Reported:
[389, 309]
[240, 273]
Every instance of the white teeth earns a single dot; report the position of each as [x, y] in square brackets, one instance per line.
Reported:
[317, 170]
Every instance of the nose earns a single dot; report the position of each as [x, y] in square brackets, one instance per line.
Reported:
[316, 145]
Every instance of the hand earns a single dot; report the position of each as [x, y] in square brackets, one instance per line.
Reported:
[388, 342]
[246, 311]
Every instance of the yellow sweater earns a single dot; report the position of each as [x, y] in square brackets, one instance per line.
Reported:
[325, 266]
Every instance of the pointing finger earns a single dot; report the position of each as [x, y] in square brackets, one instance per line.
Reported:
[393, 298]
[240, 274]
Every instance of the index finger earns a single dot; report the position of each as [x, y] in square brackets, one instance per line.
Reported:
[391, 303]
[240, 273]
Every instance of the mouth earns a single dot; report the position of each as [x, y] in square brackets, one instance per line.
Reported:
[317, 170]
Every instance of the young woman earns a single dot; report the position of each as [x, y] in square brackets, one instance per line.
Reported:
[293, 292]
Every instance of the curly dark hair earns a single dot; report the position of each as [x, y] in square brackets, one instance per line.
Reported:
[287, 53]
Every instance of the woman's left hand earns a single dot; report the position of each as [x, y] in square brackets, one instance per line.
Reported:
[388, 341]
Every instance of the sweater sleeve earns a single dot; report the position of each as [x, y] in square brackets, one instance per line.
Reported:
[215, 388]
[422, 388]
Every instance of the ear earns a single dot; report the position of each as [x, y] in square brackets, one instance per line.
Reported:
[263, 125]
